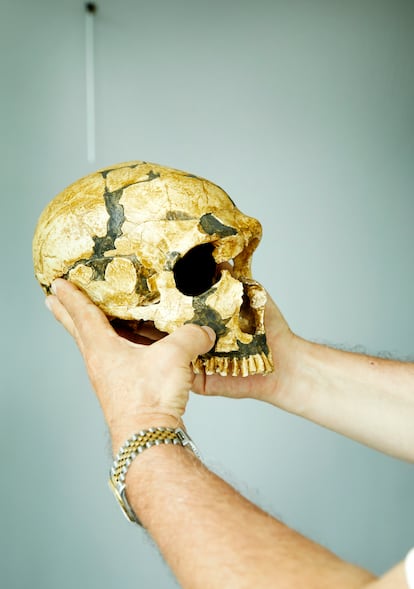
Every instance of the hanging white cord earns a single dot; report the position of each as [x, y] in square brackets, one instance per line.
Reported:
[90, 80]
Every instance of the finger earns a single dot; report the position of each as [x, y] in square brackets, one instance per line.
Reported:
[191, 341]
[60, 313]
[92, 327]
[237, 387]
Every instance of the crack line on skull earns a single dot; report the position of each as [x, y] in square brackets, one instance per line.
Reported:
[104, 173]
[151, 174]
[98, 262]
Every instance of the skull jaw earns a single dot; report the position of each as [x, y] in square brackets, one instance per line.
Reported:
[247, 352]
[249, 359]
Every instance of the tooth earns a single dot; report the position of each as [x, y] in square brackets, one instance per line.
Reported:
[235, 371]
[218, 364]
[252, 365]
[224, 366]
[268, 365]
[210, 366]
[244, 368]
[198, 367]
[260, 364]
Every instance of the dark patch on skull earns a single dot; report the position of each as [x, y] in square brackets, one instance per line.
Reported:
[205, 315]
[141, 285]
[114, 225]
[99, 262]
[178, 216]
[99, 265]
[256, 346]
[105, 173]
[46, 288]
[151, 176]
[212, 226]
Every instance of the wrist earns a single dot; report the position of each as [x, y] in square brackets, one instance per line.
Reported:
[130, 456]
[288, 392]
[122, 430]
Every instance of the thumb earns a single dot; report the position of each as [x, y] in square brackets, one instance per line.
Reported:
[192, 340]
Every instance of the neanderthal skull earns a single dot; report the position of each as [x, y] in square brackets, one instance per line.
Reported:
[149, 243]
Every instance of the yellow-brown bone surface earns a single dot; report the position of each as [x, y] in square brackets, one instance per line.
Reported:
[150, 243]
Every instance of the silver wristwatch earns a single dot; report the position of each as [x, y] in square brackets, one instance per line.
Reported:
[154, 436]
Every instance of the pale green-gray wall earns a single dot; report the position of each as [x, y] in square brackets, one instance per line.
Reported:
[303, 112]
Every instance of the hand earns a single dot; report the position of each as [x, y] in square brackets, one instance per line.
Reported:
[134, 383]
[273, 387]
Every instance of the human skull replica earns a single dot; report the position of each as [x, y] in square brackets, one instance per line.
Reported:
[150, 243]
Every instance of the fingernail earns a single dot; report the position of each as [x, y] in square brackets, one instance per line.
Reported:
[48, 303]
[210, 332]
[53, 288]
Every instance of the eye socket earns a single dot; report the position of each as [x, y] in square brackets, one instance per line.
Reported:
[196, 272]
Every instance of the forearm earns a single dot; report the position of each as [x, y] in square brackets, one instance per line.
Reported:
[213, 537]
[368, 399]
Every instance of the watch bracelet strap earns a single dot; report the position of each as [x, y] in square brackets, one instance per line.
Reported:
[135, 445]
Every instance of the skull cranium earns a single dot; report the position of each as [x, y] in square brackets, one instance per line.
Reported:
[149, 243]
